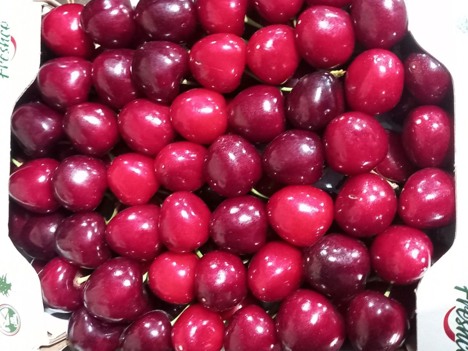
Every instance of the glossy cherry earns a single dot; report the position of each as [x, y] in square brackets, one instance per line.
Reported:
[232, 166]
[134, 232]
[275, 271]
[354, 143]
[145, 126]
[306, 320]
[300, 214]
[257, 113]
[401, 254]
[199, 115]
[336, 3]
[332, 43]
[275, 11]
[80, 239]
[272, 54]
[337, 266]
[222, 16]
[184, 222]
[427, 200]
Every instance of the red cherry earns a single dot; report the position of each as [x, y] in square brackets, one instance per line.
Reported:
[145, 126]
[275, 271]
[277, 11]
[222, 16]
[401, 254]
[199, 115]
[217, 61]
[300, 214]
[374, 81]
[171, 277]
[132, 179]
[332, 42]
[63, 34]
[336, 3]
[272, 54]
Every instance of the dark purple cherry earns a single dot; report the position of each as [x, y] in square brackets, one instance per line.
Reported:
[65, 81]
[337, 266]
[315, 100]
[37, 127]
[80, 239]
[114, 291]
[86, 333]
[109, 22]
[379, 24]
[375, 322]
[257, 113]
[251, 329]
[157, 69]
[31, 185]
[80, 182]
[306, 321]
[150, 332]
[112, 77]
[426, 78]
[17, 218]
[60, 287]
[171, 20]
[232, 166]
[239, 225]
[294, 157]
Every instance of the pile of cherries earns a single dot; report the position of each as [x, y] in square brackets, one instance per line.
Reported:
[238, 174]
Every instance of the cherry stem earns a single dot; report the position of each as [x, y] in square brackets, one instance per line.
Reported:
[188, 82]
[80, 280]
[52, 3]
[252, 23]
[145, 277]
[259, 194]
[199, 254]
[388, 291]
[16, 162]
[286, 89]
[176, 318]
[114, 213]
[338, 73]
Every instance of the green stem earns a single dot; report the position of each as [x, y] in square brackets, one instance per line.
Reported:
[178, 316]
[16, 162]
[258, 194]
[338, 73]
[251, 22]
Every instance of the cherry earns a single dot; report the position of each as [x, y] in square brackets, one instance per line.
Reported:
[145, 126]
[112, 77]
[315, 100]
[199, 115]
[65, 81]
[184, 222]
[307, 164]
[300, 214]
[239, 225]
[80, 239]
[257, 113]
[37, 127]
[134, 232]
[354, 143]
[158, 68]
[63, 34]
[427, 135]
[427, 199]
[275, 271]
[60, 288]
[401, 254]
[80, 183]
[336, 3]
[277, 11]
[150, 332]
[217, 61]
[222, 16]
[306, 320]
[251, 329]
[179, 166]
[375, 322]
[198, 328]
[171, 277]
[132, 179]
[374, 81]
[127, 301]
[232, 166]
[426, 78]
[379, 24]
[332, 43]
[366, 205]
[220, 280]
[17, 218]
[86, 333]
[31, 185]
[272, 54]
[337, 266]
[109, 22]
[171, 20]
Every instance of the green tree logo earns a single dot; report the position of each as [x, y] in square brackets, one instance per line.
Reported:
[9, 320]
[5, 286]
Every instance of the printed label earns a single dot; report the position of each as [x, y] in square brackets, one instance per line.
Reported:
[10, 322]
[456, 320]
[7, 49]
